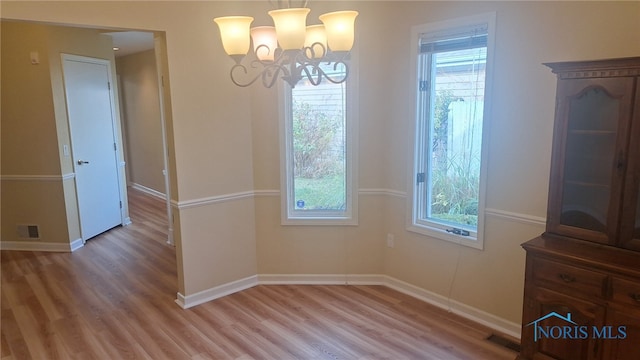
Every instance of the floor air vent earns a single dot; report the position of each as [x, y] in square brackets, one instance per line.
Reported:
[504, 342]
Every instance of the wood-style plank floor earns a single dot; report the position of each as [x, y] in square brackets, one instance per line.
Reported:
[114, 299]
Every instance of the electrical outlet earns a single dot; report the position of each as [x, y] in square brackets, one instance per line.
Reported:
[35, 57]
[391, 241]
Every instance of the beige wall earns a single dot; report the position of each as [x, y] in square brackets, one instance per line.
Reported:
[141, 123]
[226, 143]
[35, 129]
[28, 147]
[211, 131]
[528, 34]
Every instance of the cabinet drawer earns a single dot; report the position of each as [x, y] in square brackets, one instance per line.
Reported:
[568, 279]
[626, 292]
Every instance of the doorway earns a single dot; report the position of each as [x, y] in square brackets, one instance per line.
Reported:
[145, 111]
[90, 106]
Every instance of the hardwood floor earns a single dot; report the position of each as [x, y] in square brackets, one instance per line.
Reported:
[150, 213]
[114, 299]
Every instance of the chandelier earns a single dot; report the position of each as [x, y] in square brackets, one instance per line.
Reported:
[290, 50]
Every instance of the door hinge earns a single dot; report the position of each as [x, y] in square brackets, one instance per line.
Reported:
[420, 178]
[109, 85]
[120, 204]
[424, 85]
[115, 147]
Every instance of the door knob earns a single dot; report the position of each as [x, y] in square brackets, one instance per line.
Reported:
[82, 162]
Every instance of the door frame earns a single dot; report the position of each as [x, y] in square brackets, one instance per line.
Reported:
[160, 63]
[160, 52]
[117, 136]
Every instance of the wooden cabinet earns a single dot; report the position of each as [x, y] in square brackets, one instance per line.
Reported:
[595, 152]
[626, 348]
[582, 279]
[598, 285]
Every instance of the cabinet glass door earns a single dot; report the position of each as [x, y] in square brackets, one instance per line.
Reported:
[589, 157]
[590, 153]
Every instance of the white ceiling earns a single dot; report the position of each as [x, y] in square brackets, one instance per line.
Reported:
[131, 42]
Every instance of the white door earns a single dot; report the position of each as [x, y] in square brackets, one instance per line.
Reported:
[91, 122]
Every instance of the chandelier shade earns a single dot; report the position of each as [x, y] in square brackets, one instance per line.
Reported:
[265, 42]
[290, 49]
[316, 41]
[339, 27]
[290, 26]
[234, 31]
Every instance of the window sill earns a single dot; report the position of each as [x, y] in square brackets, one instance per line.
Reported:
[319, 221]
[470, 241]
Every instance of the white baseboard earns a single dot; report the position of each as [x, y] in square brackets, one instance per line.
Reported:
[319, 279]
[501, 325]
[76, 244]
[41, 246]
[476, 315]
[149, 191]
[201, 297]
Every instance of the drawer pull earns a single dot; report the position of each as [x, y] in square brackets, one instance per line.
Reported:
[635, 297]
[567, 278]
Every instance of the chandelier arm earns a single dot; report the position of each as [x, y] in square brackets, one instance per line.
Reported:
[271, 71]
[244, 70]
[311, 66]
[308, 53]
[315, 72]
[339, 80]
[264, 47]
[308, 64]
[270, 74]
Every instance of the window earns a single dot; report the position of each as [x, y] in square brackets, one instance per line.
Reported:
[448, 177]
[317, 154]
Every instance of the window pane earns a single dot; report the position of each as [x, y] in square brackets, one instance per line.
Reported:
[457, 106]
[319, 146]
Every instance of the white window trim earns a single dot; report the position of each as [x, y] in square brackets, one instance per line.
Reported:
[413, 224]
[350, 217]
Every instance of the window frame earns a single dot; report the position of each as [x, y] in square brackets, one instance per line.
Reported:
[419, 133]
[291, 216]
